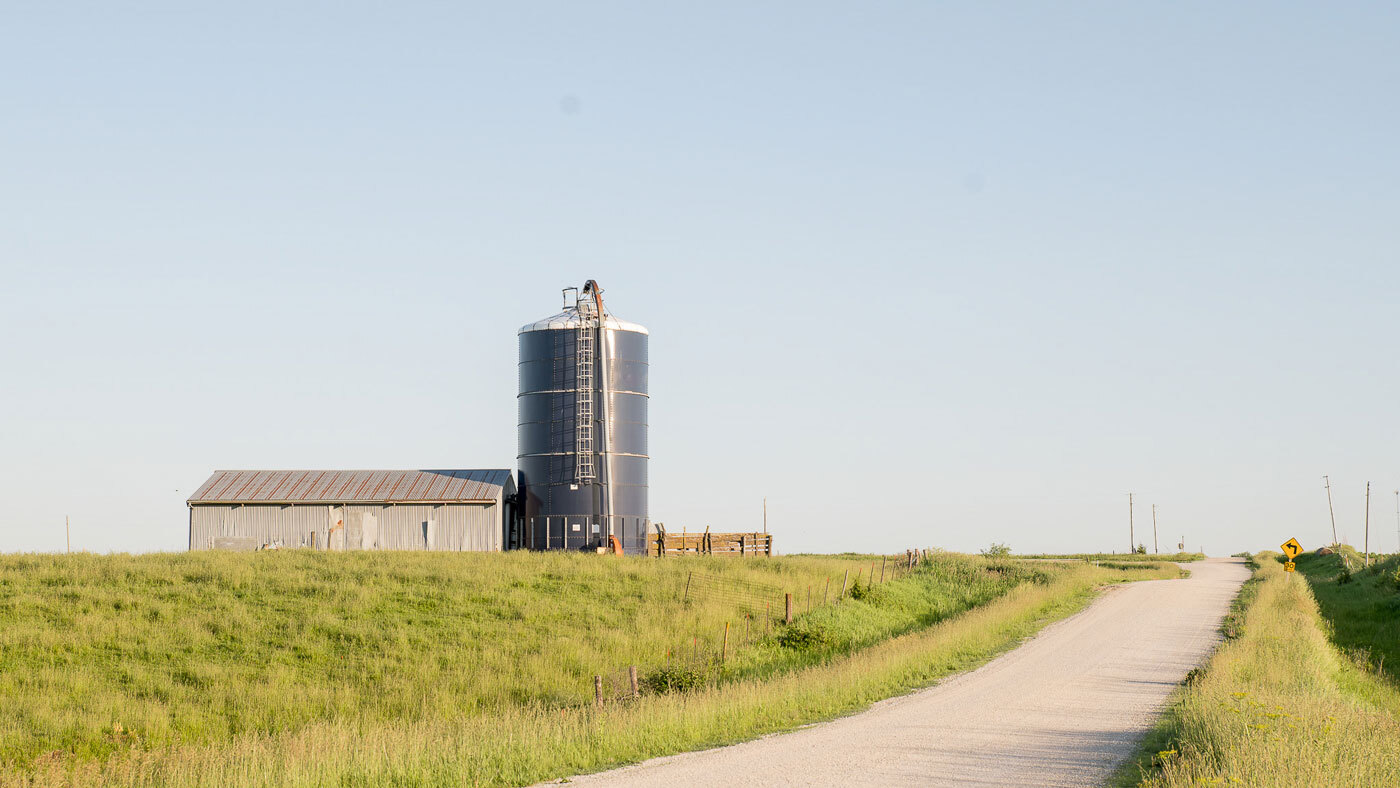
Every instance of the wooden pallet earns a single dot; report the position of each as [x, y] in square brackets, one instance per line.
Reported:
[662, 544]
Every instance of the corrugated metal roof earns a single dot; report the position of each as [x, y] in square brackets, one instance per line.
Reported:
[351, 486]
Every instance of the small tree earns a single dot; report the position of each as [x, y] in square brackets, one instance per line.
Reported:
[997, 550]
[1141, 549]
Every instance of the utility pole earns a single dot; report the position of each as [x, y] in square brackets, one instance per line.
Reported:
[1368, 523]
[1154, 529]
[1397, 517]
[1132, 540]
[68, 533]
[765, 514]
[1328, 485]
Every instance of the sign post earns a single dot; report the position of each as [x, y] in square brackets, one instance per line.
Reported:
[1292, 549]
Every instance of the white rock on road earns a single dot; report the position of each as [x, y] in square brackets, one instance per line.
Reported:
[1064, 709]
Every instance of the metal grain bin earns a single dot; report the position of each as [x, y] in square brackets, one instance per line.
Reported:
[583, 428]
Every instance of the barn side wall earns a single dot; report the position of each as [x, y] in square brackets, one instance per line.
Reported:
[443, 527]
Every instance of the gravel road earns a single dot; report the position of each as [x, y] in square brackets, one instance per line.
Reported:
[1064, 709]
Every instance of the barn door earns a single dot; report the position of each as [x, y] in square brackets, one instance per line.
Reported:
[369, 531]
[336, 526]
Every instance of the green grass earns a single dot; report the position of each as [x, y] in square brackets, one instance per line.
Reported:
[1120, 557]
[1364, 612]
[278, 668]
[1277, 704]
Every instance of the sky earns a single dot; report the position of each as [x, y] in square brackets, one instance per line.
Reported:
[920, 274]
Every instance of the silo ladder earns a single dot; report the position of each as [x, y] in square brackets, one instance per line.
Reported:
[584, 470]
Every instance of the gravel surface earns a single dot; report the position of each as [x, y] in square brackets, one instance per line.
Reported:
[1064, 709]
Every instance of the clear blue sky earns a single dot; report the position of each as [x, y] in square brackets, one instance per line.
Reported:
[921, 273]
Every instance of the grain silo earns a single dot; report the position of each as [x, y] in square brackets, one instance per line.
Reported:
[583, 428]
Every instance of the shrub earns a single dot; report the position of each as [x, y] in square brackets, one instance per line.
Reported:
[997, 550]
[1345, 576]
[859, 591]
[672, 678]
[1141, 549]
[805, 635]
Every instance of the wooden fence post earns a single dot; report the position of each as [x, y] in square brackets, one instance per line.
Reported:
[787, 606]
[632, 677]
[882, 569]
[826, 592]
[687, 587]
[844, 578]
[598, 691]
[724, 649]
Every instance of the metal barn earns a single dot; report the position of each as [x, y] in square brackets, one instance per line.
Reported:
[354, 510]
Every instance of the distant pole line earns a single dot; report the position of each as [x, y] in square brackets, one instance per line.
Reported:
[1132, 540]
[1328, 484]
[1154, 529]
[1368, 524]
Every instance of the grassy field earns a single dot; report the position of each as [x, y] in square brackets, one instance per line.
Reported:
[1277, 705]
[300, 668]
[1120, 557]
[1362, 605]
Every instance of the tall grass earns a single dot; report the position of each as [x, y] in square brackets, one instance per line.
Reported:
[1120, 557]
[520, 743]
[1362, 604]
[1278, 705]
[200, 647]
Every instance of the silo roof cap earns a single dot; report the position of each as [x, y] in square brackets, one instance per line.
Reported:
[569, 319]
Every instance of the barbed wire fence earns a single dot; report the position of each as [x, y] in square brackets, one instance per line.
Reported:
[761, 609]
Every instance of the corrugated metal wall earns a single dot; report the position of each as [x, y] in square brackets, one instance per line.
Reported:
[447, 526]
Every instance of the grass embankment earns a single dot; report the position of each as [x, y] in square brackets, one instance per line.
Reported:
[300, 668]
[1277, 705]
[1361, 603]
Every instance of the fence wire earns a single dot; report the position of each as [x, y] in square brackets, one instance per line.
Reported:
[697, 656]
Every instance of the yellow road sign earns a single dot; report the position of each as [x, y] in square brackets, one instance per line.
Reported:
[1291, 548]
[1289, 566]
